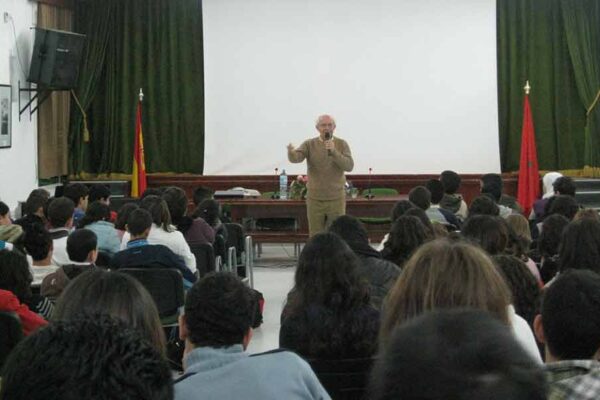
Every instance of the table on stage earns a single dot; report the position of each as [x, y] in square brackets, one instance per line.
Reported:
[241, 209]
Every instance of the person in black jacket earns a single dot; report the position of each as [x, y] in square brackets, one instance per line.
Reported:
[380, 273]
[141, 254]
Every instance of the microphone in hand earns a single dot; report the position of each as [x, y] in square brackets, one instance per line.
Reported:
[327, 139]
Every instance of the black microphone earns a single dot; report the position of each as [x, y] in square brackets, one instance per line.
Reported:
[328, 137]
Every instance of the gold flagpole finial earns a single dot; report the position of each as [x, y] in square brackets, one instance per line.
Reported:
[527, 88]
[141, 95]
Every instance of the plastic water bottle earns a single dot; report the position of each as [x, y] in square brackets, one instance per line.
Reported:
[283, 181]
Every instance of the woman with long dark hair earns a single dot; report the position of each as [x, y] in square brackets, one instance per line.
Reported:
[328, 315]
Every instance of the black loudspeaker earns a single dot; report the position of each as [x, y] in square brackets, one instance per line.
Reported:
[56, 58]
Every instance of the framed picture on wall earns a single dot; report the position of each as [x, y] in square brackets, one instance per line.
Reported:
[5, 116]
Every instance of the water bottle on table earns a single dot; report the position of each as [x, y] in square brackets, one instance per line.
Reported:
[283, 189]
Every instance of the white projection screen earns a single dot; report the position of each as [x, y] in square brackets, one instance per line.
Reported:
[412, 83]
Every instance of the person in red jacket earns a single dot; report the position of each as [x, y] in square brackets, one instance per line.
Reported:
[30, 321]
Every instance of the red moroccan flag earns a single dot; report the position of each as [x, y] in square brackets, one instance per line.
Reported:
[138, 175]
[529, 174]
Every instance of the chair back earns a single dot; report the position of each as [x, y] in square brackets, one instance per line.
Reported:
[165, 285]
[205, 258]
[344, 379]
[103, 259]
[11, 334]
[235, 238]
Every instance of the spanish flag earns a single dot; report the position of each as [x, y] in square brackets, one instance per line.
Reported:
[138, 175]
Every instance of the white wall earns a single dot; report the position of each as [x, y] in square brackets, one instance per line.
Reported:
[18, 165]
[412, 83]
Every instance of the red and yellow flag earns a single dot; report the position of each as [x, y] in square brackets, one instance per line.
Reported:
[529, 174]
[138, 175]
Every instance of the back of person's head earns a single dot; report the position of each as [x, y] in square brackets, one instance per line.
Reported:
[139, 221]
[116, 294]
[159, 210]
[489, 232]
[456, 354]
[492, 179]
[99, 192]
[60, 211]
[570, 316]
[15, 275]
[328, 275]
[564, 186]
[519, 225]
[406, 235]
[350, 229]
[123, 215]
[95, 212]
[493, 190]
[209, 210]
[420, 213]
[445, 273]
[76, 192]
[436, 189]
[550, 237]
[219, 311]
[483, 205]
[80, 243]
[563, 205]
[400, 208]
[90, 357]
[202, 193]
[37, 242]
[35, 202]
[176, 202]
[420, 197]
[451, 181]
[4, 210]
[152, 192]
[519, 234]
[522, 284]
[580, 246]
[587, 213]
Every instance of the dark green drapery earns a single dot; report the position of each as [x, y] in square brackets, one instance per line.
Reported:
[154, 45]
[532, 46]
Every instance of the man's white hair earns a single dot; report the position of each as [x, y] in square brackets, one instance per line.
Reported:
[322, 117]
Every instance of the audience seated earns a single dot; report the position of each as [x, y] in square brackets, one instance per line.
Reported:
[122, 217]
[569, 327]
[455, 354]
[9, 232]
[202, 193]
[33, 209]
[88, 357]
[436, 189]
[421, 198]
[162, 232]
[195, 230]
[520, 242]
[587, 213]
[38, 244]
[115, 294]
[491, 233]
[492, 184]
[580, 246]
[140, 253]
[452, 201]
[380, 274]
[60, 218]
[539, 206]
[328, 313]
[216, 327]
[210, 211]
[78, 193]
[97, 220]
[449, 273]
[548, 245]
[398, 210]
[483, 205]
[101, 193]
[562, 204]
[408, 233]
[15, 292]
[82, 248]
[417, 212]
[523, 286]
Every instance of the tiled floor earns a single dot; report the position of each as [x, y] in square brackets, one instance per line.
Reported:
[274, 277]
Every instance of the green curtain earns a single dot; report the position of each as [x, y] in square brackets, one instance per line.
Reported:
[582, 27]
[157, 46]
[532, 45]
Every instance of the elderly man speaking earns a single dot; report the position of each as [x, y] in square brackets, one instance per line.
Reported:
[327, 159]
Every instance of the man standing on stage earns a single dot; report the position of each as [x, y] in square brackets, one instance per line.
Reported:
[327, 159]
